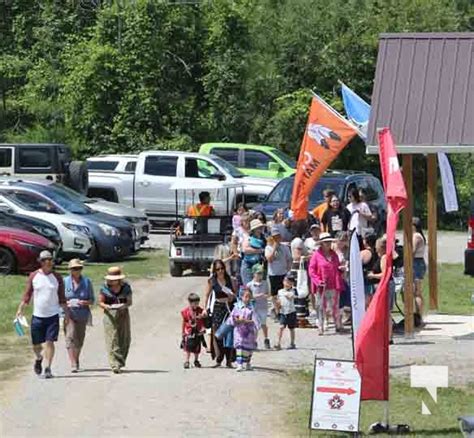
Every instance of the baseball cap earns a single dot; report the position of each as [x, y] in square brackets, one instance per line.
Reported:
[45, 255]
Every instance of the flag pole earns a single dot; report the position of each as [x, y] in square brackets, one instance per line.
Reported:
[329, 107]
[352, 313]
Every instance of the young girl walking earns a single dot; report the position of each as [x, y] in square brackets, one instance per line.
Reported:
[245, 322]
[259, 290]
[192, 330]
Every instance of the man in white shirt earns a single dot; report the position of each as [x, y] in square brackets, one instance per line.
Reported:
[47, 290]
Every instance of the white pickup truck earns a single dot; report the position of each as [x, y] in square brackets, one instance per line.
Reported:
[144, 181]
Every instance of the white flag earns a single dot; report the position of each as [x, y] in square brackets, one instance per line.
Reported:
[447, 180]
[357, 285]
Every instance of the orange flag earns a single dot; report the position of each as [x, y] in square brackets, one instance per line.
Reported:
[326, 135]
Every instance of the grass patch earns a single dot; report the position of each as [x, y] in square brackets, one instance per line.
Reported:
[454, 290]
[148, 264]
[405, 407]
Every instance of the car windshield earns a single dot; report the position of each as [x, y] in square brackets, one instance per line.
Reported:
[64, 200]
[229, 168]
[282, 192]
[70, 193]
[285, 158]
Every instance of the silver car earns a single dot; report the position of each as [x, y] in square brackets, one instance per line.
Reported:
[136, 217]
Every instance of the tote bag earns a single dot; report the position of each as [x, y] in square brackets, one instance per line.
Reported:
[302, 286]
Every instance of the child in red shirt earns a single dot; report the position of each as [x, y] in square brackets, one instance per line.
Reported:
[192, 330]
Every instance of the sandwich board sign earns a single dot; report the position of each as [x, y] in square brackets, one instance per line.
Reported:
[335, 402]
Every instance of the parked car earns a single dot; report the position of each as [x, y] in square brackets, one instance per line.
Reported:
[75, 235]
[253, 160]
[469, 252]
[10, 219]
[19, 250]
[149, 187]
[135, 217]
[341, 181]
[44, 161]
[113, 238]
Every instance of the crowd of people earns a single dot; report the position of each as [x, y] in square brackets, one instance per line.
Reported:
[294, 273]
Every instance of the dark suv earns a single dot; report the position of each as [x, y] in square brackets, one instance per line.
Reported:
[48, 161]
[341, 181]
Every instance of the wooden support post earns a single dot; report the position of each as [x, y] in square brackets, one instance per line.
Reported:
[432, 230]
[408, 245]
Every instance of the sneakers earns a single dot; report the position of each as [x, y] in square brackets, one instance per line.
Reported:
[116, 370]
[240, 368]
[267, 344]
[248, 367]
[38, 368]
[197, 364]
[47, 373]
[292, 347]
[186, 365]
[277, 347]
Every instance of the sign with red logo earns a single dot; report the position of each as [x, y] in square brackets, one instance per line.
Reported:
[335, 403]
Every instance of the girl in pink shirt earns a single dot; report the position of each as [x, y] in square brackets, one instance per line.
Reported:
[327, 281]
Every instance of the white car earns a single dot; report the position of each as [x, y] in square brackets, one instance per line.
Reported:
[144, 181]
[136, 217]
[74, 233]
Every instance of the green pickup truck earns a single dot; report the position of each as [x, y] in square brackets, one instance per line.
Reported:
[253, 160]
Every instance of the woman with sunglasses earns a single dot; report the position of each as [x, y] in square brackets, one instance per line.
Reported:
[79, 296]
[219, 299]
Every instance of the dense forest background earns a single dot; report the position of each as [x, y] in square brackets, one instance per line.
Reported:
[127, 75]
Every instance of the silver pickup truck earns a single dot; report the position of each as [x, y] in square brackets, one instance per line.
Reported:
[144, 181]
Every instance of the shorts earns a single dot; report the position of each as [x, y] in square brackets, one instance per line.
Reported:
[369, 289]
[276, 283]
[75, 332]
[44, 329]
[289, 320]
[419, 268]
[261, 315]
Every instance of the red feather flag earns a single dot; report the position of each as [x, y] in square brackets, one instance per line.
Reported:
[371, 349]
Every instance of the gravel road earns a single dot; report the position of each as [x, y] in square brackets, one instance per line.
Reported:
[157, 397]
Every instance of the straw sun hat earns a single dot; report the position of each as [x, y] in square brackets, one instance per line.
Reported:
[114, 273]
[75, 263]
[325, 237]
[255, 224]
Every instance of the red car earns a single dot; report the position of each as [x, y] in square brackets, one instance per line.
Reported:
[19, 250]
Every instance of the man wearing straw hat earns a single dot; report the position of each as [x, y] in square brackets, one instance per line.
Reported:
[115, 298]
[46, 287]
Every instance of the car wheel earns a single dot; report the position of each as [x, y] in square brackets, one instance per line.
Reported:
[7, 262]
[78, 177]
[175, 269]
[94, 255]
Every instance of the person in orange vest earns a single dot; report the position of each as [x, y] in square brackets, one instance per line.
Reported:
[203, 208]
[319, 210]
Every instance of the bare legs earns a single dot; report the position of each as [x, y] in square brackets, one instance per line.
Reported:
[73, 354]
[280, 336]
[419, 297]
[48, 353]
